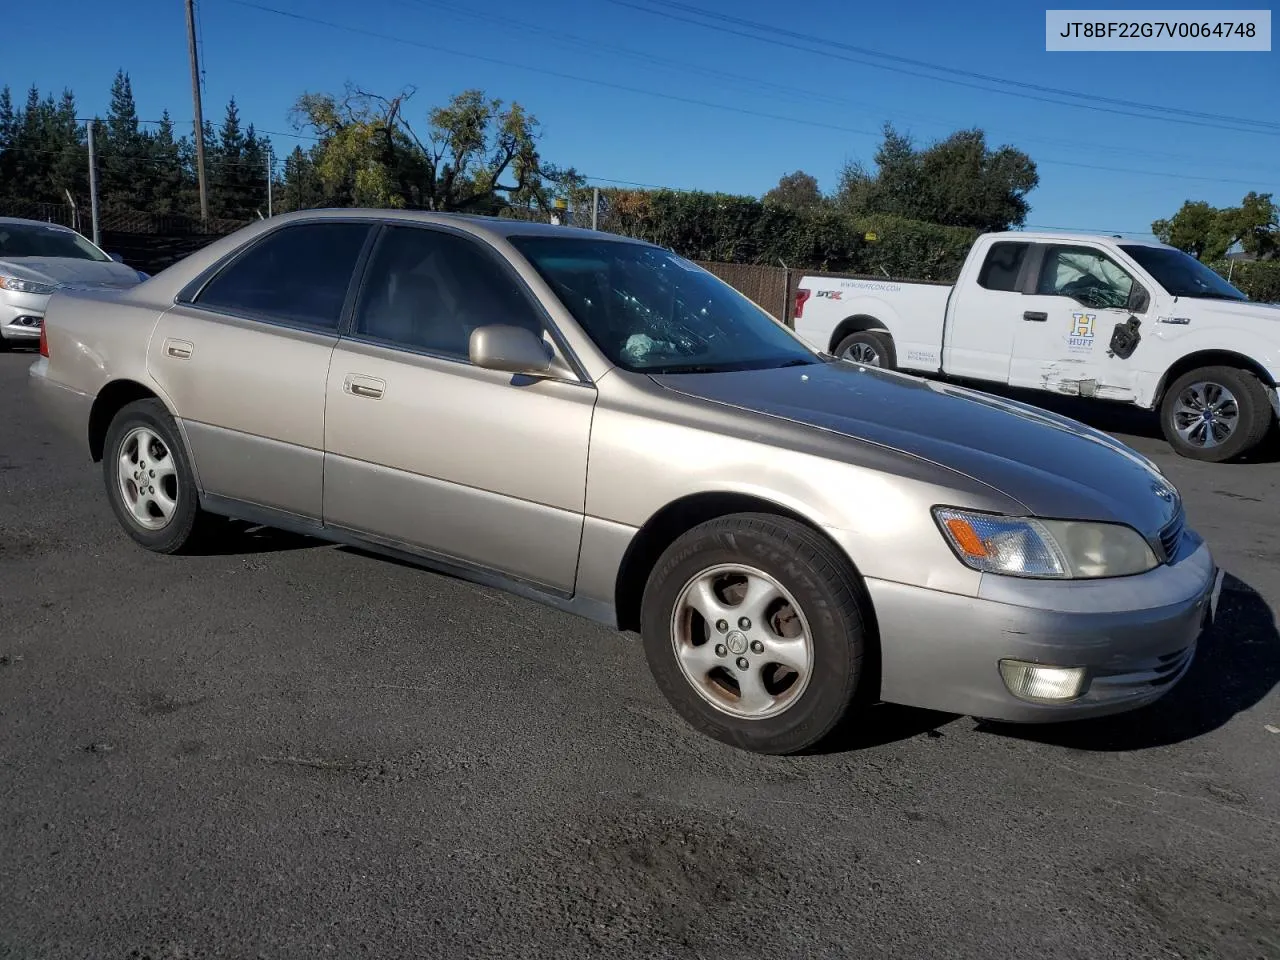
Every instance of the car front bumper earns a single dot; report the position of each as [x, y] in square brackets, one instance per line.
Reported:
[1135, 636]
[21, 315]
[65, 408]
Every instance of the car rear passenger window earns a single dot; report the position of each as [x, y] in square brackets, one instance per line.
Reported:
[428, 289]
[299, 275]
[1000, 269]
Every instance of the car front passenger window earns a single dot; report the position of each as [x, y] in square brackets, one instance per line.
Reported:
[429, 289]
[1085, 276]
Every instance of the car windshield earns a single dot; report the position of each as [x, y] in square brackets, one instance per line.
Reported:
[650, 311]
[37, 240]
[1182, 275]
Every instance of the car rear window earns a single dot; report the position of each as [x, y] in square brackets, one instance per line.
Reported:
[298, 275]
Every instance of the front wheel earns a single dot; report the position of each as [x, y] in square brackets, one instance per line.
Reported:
[1215, 413]
[753, 629]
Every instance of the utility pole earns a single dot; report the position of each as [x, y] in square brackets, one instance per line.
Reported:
[93, 183]
[595, 207]
[195, 98]
[270, 175]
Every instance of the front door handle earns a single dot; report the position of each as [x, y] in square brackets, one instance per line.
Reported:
[1036, 316]
[371, 388]
[178, 349]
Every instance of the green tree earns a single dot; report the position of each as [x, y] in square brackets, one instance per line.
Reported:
[1256, 225]
[173, 181]
[1207, 232]
[798, 191]
[477, 154]
[127, 175]
[958, 181]
[1195, 229]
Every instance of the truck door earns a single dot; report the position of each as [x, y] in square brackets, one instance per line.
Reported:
[1075, 296]
[985, 314]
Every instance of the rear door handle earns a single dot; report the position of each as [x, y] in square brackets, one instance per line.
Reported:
[1037, 317]
[178, 349]
[358, 385]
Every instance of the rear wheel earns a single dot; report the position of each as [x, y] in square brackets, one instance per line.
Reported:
[149, 481]
[1215, 413]
[753, 630]
[871, 348]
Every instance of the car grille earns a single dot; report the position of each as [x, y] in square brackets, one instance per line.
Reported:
[1171, 535]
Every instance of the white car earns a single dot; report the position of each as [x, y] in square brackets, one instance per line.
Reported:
[38, 259]
[1092, 316]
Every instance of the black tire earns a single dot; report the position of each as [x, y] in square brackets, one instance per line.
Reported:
[878, 342]
[824, 588]
[187, 524]
[1252, 422]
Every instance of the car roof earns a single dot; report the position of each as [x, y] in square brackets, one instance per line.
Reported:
[1067, 236]
[493, 226]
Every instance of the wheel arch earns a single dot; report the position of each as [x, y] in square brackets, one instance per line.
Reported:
[109, 401]
[682, 515]
[1209, 358]
[858, 323]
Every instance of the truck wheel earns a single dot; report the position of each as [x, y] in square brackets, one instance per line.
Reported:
[753, 630]
[1215, 413]
[871, 348]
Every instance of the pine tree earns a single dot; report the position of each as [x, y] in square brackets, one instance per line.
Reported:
[127, 179]
[8, 144]
[174, 186]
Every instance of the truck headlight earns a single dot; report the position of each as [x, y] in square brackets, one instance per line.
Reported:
[1053, 549]
[18, 285]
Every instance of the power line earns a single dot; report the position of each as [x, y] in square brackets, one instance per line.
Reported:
[348, 28]
[807, 96]
[826, 49]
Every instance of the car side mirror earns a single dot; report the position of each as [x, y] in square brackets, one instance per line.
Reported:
[511, 349]
[1139, 299]
[118, 258]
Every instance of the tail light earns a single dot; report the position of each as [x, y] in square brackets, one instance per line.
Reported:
[801, 296]
[44, 342]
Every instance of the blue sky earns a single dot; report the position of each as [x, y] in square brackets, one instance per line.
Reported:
[265, 60]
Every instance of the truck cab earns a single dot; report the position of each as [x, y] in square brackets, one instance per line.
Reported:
[1098, 317]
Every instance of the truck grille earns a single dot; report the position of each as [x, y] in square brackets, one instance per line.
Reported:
[1171, 535]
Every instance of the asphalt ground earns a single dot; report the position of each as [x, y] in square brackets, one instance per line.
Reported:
[287, 749]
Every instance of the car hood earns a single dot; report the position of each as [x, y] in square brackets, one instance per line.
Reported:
[1054, 466]
[70, 272]
[1236, 308]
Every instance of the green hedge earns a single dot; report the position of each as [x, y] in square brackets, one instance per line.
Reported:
[1259, 280]
[727, 228]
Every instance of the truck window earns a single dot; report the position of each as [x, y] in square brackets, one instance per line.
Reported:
[1085, 275]
[1000, 269]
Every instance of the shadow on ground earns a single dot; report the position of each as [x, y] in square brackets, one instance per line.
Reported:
[233, 538]
[1235, 667]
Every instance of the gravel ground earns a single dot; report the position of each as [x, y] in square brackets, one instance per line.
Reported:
[296, 750]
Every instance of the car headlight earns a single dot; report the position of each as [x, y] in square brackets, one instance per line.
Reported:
[1054, 549]
[18, 285]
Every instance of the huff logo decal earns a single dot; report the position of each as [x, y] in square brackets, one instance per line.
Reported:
[1080, 339]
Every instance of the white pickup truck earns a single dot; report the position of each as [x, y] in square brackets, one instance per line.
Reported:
[1092, 316]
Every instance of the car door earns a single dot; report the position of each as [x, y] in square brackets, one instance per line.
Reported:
[986, 314]
[1076, 295]
[245, 358]
[425, 450]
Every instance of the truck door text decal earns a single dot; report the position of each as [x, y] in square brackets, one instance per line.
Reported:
[1080, 339]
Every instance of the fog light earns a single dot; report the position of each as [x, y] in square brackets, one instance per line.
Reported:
[1034, 681]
